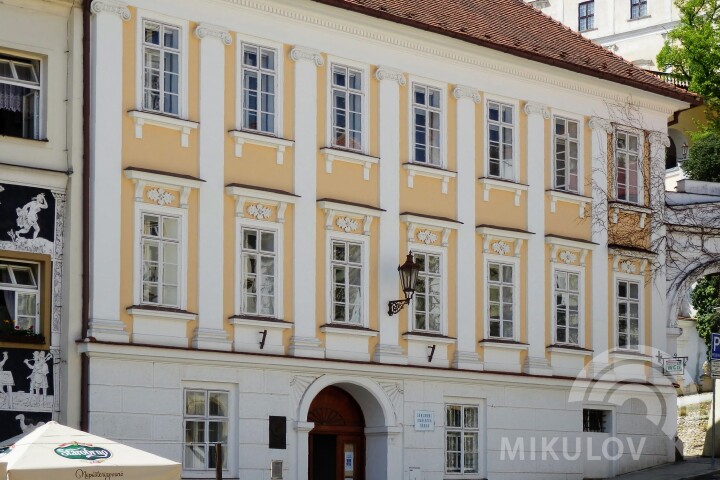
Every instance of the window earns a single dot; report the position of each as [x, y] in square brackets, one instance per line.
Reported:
[567, 307]
[638, 8]
[258, 84]
[461, 439]
[161, 61]
[566, 155]
[347, 265]
[428, 294]
[206, 424]
[501, 141]
[347, 100]
[19, 97]
[627, 172]
[628, 312]
[586, 16]
[595, 421]
[20, 295]
[160, 246]
[258, 272]
[427, 125]
[501, 310]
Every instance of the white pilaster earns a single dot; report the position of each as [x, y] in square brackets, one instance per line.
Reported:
[536, 362]
[210, 332]
[601, 128]
[658, 337]
[466, 356]
[304, 342]
[388, 350]
[106, 116]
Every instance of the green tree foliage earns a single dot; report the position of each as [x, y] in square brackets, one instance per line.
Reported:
[704, 299]
[703, 162]
[692, 52]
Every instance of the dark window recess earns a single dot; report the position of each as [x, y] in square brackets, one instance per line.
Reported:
[671, 160]
[595, 420]
[19, 97]
[586, 15]
[277, 434]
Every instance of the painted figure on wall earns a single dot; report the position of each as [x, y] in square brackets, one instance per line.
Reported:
[38, 377]
[6, 382]
[27, 216]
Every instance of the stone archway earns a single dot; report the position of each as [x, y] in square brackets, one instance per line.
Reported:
[382, 433]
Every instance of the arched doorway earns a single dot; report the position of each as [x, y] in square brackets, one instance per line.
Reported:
[337, 440]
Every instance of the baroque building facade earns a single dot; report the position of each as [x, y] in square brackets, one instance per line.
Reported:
[40, 213]
[260, 169]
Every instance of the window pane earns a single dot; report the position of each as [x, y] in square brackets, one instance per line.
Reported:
[24, 276]
[250, 239]
[267, 243]
[152, 33]
[218, 402]
[453, 416]
[151, 225]
[194, 402]
[171, 228]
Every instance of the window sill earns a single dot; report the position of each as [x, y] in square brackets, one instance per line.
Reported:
[161, 312]
[568, 197]
[242, 137]
[614, 207]
[36, 142]
[27, 339]
[428, 171]
[343, 329]
[505, 185]
[259, 321]
[430, 338]
[335, 154]
[503, 344]
[156, 325]
[631, 19]
[173, 123]
[627, 354]
[588, 30]
[569, 349]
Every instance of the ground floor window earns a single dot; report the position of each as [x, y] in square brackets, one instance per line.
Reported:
[461, 439]
[206, 424]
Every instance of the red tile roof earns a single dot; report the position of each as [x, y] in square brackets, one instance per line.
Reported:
[516, 28]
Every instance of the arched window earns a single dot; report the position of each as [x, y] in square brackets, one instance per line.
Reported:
[671, 156]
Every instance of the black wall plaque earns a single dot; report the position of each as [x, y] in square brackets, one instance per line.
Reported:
[42, 213]
[277, 432]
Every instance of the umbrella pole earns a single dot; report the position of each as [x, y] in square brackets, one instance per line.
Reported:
[218, 461]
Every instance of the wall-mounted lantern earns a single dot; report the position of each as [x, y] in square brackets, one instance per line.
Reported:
[684, 150]
[408, 278]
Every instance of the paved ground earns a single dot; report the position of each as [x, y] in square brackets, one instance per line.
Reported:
[695, 468]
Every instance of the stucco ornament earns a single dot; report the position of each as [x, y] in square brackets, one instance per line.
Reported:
[567, 256]
[347, 224]
[160, 196]
[501, 248]
[259, 211]
[427, 237]
[627, 266]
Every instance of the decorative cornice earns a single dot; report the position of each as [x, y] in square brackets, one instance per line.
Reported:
[307, 54]
[111, 6]
[598, 123]
[387, 73]
[462, 91]
[658, 139]
[537, 108]
[205, 30]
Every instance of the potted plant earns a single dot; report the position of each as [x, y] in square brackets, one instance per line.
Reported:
[9, 332]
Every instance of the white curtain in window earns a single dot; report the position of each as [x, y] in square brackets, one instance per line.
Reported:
[11, 97]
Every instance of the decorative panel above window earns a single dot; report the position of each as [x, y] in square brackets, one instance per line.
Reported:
[20, 91]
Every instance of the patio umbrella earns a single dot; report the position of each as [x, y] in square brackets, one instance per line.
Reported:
[54, 451]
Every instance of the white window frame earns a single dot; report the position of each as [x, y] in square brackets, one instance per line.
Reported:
[416, 80]
[243, 39]
[365, 134]
[641, 162]
[277, 229]
[37, 326]
[647, 9]
[581, 304]
[640, 280]
[442, 253]
[233, 422]
[491, 98]
[182, 214]
[465, 403]
[581, 148]
[515, 262]
[183, 26]
[364, 241]
[42, 89]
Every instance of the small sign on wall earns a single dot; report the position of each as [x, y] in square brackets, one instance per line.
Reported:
[424, 421]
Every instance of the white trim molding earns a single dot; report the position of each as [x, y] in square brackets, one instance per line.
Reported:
[532, 108]
[141, 179]
[463, 91]
[111, 6]
[557, 242]
[299, 53]
[244, 195]
[566, 197]
[333, 154]
[413, 169]
[160, 326]
[415, 221]
[488, 184]
[494, 233]
[183, 126]
[205, 30]
[241, 137]
[333, 208]
[388, 73]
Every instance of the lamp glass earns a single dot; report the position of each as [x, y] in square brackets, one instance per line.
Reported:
[408, 275]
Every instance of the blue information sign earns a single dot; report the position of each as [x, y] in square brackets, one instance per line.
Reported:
[715, 347]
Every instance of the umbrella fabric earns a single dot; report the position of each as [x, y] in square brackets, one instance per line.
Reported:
[63, 453]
